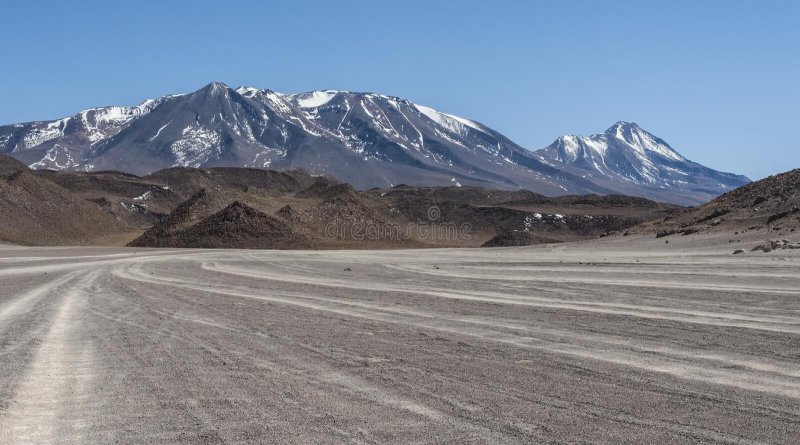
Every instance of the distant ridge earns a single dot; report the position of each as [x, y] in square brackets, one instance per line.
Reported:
[365, 139]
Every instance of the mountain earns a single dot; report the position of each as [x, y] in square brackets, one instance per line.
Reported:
[628, 155]
[366, 139]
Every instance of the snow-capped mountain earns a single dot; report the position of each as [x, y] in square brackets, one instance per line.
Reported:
[366, 139]
[627, 154]
[60, 144]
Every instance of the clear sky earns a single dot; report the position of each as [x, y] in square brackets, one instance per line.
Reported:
[718, 80]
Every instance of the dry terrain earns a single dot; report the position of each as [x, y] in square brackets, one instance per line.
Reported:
[769, 205]
[623, 340]
[254, 208]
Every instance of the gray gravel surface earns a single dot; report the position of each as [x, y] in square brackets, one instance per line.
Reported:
[606, 343]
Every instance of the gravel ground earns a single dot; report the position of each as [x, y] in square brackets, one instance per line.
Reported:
[621, 341]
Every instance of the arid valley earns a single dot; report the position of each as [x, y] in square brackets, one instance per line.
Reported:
[467, 223]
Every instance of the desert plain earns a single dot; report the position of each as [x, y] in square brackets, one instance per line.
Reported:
[617, 340]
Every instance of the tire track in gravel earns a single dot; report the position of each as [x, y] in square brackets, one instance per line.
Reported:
[311, 374]
[750, 321]
[44, 408]
[24, 302]
[780, 380]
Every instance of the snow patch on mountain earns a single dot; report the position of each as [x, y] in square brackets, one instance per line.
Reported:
[314, 99]
[41, 135]
[196, 147]
[247, 91]
[159, 131]
[454, 124]
[56, 158]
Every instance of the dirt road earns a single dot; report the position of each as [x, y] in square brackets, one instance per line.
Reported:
[595, 343]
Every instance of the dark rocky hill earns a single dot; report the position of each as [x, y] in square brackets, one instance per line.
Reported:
[771, 205]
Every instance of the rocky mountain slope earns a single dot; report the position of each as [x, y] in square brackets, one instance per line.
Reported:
[365, 139]
[328, 214]
[237, 226]
[770, 206]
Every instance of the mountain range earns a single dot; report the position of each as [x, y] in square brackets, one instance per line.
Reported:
[366, 139]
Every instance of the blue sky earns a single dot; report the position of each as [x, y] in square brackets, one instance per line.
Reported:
[718, 80]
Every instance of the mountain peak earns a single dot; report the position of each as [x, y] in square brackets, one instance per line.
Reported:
[214, 88]
[622, 128]
[640, 140]
[628, 153]
[624, 124]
